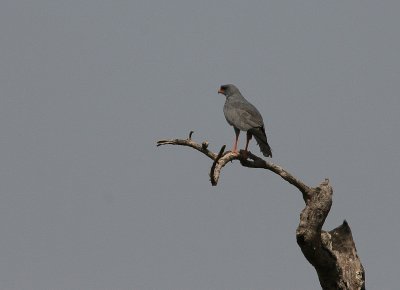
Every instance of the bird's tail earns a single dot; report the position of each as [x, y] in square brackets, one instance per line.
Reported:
[261, 138]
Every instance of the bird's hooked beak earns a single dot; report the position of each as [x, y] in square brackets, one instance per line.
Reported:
[221, 91]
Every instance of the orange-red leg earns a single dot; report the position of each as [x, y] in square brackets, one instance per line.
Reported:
[237, 132]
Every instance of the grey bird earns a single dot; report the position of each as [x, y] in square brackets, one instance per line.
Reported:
[243, 116]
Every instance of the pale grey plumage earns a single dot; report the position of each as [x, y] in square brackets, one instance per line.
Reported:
[243, 116]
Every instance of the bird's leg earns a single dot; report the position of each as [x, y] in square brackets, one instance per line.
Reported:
[248, 138]
[237, 132]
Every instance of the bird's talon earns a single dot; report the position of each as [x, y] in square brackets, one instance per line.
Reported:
[244, 154]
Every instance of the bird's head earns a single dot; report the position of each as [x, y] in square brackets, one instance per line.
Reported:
[228, 90]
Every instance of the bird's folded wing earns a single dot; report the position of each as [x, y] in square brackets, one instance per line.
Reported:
[243, 116]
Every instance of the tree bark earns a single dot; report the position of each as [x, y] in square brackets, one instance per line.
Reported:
[333, 254]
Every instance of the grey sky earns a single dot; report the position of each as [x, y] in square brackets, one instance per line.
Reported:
[88, 202]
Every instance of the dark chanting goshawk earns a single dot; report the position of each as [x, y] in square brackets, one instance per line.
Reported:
[243, 116]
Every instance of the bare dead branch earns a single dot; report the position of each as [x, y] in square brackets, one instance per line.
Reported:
[188, 142]
[261, 163]
[221, 159]
[214, 176]
[333, 254]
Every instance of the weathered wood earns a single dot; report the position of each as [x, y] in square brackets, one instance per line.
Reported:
[333, 254]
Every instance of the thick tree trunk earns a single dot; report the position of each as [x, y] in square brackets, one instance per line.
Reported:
[333, 254]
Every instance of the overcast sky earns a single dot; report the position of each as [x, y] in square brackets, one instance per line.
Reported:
[87, 201]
